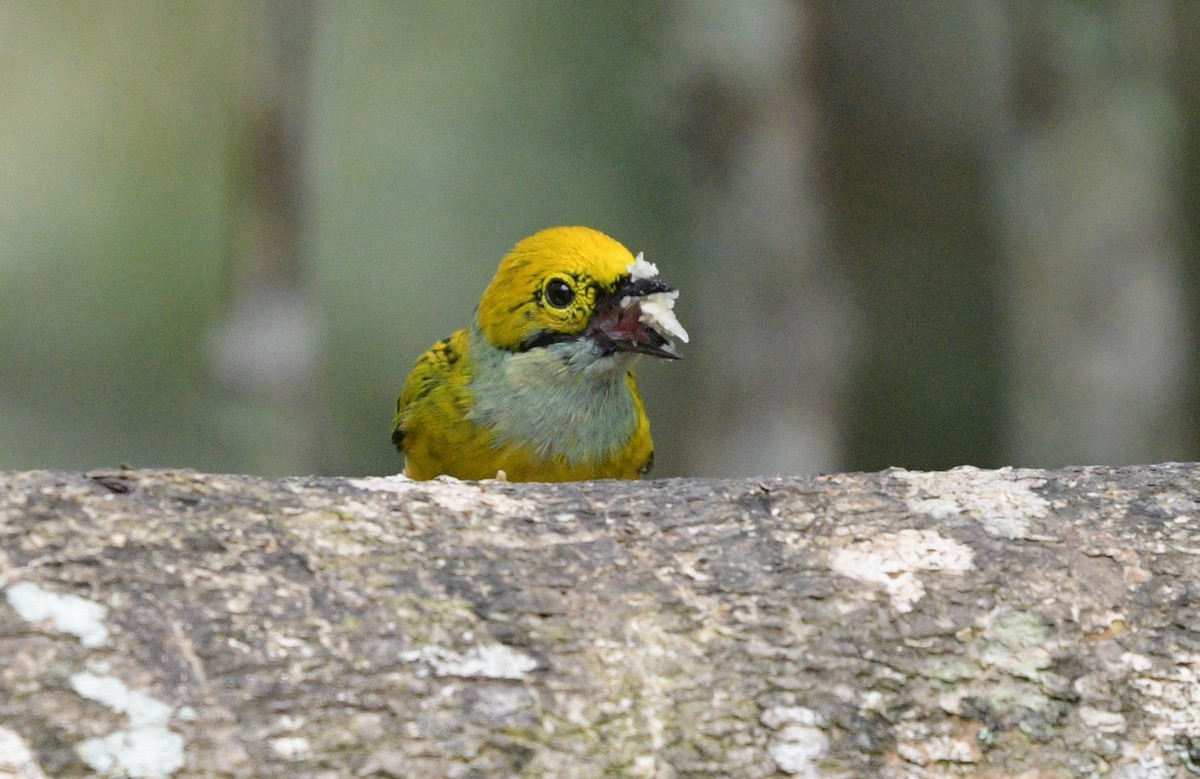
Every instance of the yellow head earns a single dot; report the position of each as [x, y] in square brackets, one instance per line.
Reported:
[573, 284]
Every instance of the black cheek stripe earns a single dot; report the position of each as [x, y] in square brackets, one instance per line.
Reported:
[544, 338]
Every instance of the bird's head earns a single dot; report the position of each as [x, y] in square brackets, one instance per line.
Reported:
[577, 285]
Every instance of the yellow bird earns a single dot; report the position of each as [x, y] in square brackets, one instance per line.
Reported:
[541, 387]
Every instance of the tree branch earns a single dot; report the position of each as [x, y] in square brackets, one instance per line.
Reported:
[898, 624]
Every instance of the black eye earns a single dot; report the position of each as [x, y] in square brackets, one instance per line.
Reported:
[559, 293]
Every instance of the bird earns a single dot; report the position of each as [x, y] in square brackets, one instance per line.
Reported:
[541, 386]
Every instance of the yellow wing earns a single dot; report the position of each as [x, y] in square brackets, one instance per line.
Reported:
[430, 422]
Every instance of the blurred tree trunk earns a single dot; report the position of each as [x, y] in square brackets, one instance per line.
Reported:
[772, 310]
[114, 180]
[264, 347]
[1099, 338]
[1187, 90]
[911, 95]
[1000, 186]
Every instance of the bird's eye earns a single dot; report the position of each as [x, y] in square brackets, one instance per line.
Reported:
[559, 293]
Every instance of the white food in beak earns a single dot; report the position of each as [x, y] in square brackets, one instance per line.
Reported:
[658, 312]
[640, 269]
[658, 308]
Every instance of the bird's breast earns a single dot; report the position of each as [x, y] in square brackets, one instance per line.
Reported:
[554, 400]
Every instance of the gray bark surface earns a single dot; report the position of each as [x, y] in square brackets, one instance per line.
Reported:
[894, 624]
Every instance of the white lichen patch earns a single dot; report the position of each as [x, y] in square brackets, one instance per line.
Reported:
[777, 717]
[892, 561]
[1101, 720]
[916, 743]
[492, 661]
[1017, 643]
[399, 483]
[1145, 761]
[1181, 504]
[146, 748]
[1138, 662]
[1002, 501]
[71, 614]
[1006, 664]
[1171, 699]
[450, 494]
[17, 760]
[292, 747]
[797, 745]
[635, 674]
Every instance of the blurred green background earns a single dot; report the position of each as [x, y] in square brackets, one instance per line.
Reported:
[920, 233]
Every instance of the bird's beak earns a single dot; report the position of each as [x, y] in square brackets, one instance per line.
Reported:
[617, 324]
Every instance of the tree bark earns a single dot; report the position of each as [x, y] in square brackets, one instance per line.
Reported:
[895, 624]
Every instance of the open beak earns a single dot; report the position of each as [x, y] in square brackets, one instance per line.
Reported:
[617, 326]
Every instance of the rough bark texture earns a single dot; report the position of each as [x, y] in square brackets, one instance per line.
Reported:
[984, 623]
